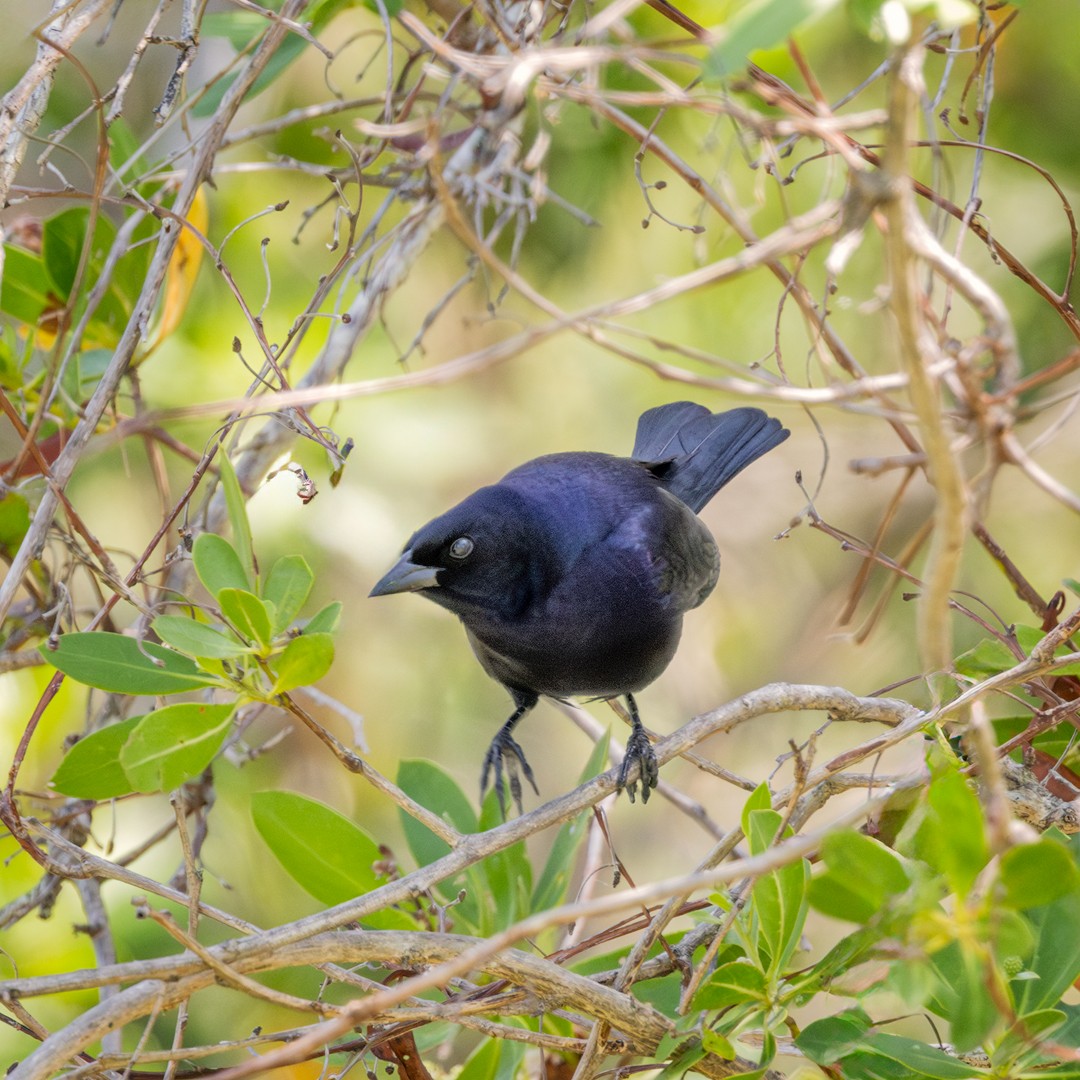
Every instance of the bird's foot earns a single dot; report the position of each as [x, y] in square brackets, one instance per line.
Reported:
[639, 752]
[504, 751]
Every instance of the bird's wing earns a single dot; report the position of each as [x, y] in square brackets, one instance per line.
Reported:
[671, 550]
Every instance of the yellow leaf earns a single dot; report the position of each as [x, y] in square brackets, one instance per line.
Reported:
[182, 271]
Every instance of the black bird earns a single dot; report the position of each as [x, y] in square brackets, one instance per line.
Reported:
[573, 572]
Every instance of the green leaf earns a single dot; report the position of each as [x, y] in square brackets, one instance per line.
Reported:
[768, 1052]
[992, 656]
[951, 836]
[1055, 960]
[760, 24]
[173, 744]
[305, 660]
[551, 888]
[325, 621]
[124, 152]
[912, 980]
[830, 1040]
[436, 790]
[11, 363]
[14, 520]
[760, 799]
[238, 28]
[1026, 1031]
[507, 875]
[288, 586]
[761, 828]
[989, 657]
[732, 984]
[961, 995]
[1037, 874]
[907, 1059]
[25, 286]
[717, 1044]
[1068, 1034]
[65, 244]
[119, 664]
[483, 1063]
[975, 1015]
[780, 897]
[1010, 934]
[236, 504]
[84, 372]
[683, 1060]
[845, 954]
[91, 769]
[323, 851]
[195, 638]
[218, 565]
[507, 879]
[861, 875]
[243, 29]
[63, 237]
[249, 616]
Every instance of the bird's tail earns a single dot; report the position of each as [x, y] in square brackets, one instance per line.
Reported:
[694, 452]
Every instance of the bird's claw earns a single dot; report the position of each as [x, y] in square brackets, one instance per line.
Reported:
[639, 752]
[504, 750]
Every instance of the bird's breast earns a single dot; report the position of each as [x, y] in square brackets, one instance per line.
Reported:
[604, 630]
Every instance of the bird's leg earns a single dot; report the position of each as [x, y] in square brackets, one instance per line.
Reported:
[504, 750]
[639, 752]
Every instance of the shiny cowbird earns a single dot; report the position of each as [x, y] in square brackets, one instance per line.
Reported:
[572, 573]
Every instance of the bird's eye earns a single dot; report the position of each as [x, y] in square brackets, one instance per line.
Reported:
[461, 548]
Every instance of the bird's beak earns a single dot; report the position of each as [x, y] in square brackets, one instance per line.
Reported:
[406, 576]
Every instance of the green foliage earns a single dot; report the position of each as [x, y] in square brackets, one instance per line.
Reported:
[992, 656]
[218, 564]
[38, 285]
[779, 898]
[990, 943]
[91, 769]
[752, 987]
[26, 286]
[493, 1059]
[243, 30]
[958, 943]
[155, 752]
[498, 891]
[849, 1039]
[322, 850]
[236, 504]
[14, 521]
[252, 654]
[554, 881]
[758, 25]
[123, 665]
[861, 876]
[174, 744]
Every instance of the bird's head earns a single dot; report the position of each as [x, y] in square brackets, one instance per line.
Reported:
[485, 556]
